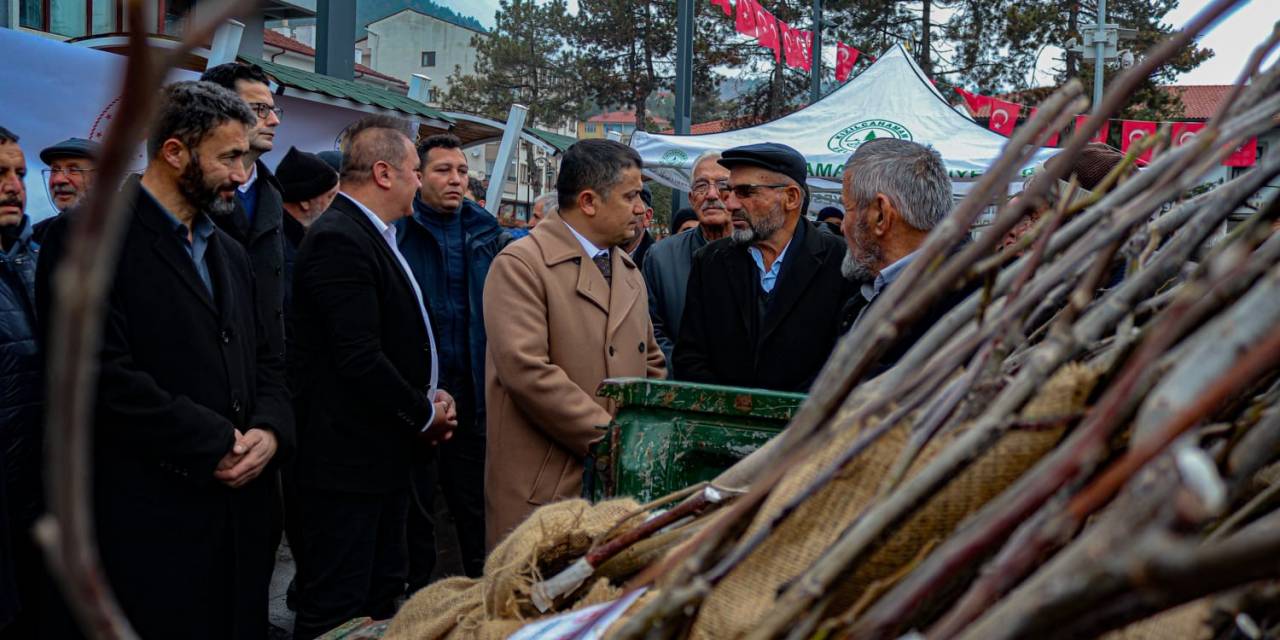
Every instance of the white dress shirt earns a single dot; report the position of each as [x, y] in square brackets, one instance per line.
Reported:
[388, 234]
[587, 246]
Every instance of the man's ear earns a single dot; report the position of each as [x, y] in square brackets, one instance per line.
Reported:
[883, 215]
[588, 201]
[175, 153]
[382, 174]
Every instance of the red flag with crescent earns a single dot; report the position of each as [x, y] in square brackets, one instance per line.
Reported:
[790, 47]
[745, 18]
[1004, 116]
[845, 57]
[1052, 141]
[973, 101]
[767, 31]
[1101, 135]
[1245, 155]
[1131, 131]
[804, 42]
[1184, 132]
[724, 4]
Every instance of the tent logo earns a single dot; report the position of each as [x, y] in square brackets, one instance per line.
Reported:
[852, 136]
[674, 158]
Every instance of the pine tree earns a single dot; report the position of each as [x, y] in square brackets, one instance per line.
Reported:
[524, 59]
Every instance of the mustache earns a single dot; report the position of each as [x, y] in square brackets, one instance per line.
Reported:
[65, 190]
[10, 202]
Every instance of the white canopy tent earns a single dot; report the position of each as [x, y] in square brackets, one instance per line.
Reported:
[892, 98]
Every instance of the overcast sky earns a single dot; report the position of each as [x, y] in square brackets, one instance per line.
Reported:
[1232, 39]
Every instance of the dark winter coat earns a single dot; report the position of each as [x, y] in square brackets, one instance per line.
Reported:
[263, 239]
[180, 371]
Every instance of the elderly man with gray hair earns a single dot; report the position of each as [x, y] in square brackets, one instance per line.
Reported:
[894, 192]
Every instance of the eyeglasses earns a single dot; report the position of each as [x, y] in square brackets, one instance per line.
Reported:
[69, 172]
[262, 109]
[701, 187]
[744, 191]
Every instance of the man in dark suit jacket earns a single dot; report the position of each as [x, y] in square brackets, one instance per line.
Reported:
[191, 404]
[365, 370]
[763, 306]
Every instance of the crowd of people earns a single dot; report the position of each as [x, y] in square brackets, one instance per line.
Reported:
[316, 352]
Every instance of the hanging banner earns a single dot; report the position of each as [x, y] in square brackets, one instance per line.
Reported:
[1004, 116]
[845, 57]
[1246, 155]
[1052, 141]
[804, 42]
[724, 4]
[973, 101]
[1184, 132]
[790, 48]
[1132, 131]
[745, 18]
[1100, 135]
[767, 31]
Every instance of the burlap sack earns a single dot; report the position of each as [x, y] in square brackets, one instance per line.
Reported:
[750, 590]
[497, 604]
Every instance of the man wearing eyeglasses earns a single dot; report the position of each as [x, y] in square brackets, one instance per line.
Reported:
[257, 219]
[666, 268]
[763, 307]
[72, 164]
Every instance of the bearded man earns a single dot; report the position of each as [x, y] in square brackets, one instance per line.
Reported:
[763, 305]
[192, 410]
[894, 192]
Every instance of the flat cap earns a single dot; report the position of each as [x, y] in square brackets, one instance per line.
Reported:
[774, 157]
[71, 148]
[303, 176]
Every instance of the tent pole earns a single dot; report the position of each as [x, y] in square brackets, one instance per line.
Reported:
[815, 74]
[684, 83]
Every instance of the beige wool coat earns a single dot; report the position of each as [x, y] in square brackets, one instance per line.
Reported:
[555, 330]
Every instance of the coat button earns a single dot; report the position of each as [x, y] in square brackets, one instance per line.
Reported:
[642, 347]
[279, 270]
[225, 335]
[235, 405]
[610, 351]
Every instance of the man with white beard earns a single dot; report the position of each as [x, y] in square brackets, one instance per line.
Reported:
[763, 305]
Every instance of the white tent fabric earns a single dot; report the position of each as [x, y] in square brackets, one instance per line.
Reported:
[892, 97]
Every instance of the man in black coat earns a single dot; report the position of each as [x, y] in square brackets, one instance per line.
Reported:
[763, 305]
[895, 192]
[191, 404]
[256, 220]
[365, 370]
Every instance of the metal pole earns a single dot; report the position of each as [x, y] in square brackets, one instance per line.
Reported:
[684, 82]
[510, 135]
[1100, 53]
[336, 39]
[815, 75]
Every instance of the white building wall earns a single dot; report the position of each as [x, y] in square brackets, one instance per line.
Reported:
[396, 44]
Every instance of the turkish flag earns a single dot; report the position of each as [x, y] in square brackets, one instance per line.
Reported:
[1245, 155]
[845, 57]
[1101, 135]
[1132, 131]
[804, 42]
[974, 101]
[745, 18]
[1184, 132]
[767, 31]
[790, 47]
[1053, 138]
[1004, 116]
[724, 4]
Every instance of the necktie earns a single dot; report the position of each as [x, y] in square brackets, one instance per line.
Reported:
[605, 264]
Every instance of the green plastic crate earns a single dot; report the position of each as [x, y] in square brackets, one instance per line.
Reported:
[670, 435]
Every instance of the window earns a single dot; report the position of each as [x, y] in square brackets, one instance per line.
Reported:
[428, 58]
[70, 18]
[433, 95]
[174, 13]
[591, 128]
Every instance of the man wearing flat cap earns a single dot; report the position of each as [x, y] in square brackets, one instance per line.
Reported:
[71, 165]
[763, 306]
[638, 246]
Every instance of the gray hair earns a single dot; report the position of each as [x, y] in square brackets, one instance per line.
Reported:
[909, 174]
[706, 155]
[189, 110]
[550, 202]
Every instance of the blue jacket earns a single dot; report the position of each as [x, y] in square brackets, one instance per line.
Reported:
[424, 253]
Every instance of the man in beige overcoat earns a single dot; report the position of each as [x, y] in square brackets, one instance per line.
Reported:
[564, 309]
